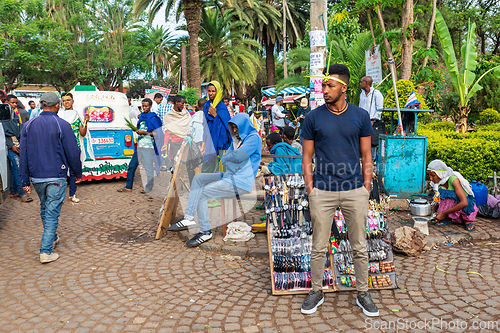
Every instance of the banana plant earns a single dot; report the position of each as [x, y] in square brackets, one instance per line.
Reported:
[464, 80]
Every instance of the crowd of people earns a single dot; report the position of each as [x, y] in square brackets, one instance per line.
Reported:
[228, 140]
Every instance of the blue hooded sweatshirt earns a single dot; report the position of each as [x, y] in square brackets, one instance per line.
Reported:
[284, 166]
[242, 159]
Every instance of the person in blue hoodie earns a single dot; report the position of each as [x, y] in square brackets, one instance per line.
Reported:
[241, 160]
[281, 165]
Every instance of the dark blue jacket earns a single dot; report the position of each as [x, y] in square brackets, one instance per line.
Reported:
[48, 148]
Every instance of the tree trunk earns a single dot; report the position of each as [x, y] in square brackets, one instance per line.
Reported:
[368, 13]
[407, 39]
[431, 29]
[387, 45]
[270, 66]
[192, 13]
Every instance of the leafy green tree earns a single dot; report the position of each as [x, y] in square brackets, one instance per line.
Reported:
[192, 13]
[20, 40]
[225, 54]
[464, 80]
[159, 43]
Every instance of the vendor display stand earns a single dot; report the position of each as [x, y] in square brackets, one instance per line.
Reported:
[381, 269]
[289, 234]
[289, 237]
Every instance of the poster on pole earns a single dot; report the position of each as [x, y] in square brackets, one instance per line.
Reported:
[318, 38]
[373, 64]
[316, 60]
[164, 91]
[150, 93]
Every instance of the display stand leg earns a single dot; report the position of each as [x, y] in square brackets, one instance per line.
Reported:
[172, 199]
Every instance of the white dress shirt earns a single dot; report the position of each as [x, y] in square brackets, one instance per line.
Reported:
[372, 102]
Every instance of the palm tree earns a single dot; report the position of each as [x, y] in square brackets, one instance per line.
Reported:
[227, 55]
[160, 44]
[192, 14]
[265, 22]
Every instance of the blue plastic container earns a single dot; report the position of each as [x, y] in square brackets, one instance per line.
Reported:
[480, 192]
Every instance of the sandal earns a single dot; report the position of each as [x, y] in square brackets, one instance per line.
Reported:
[74, 199]
[469, 226]
[441, 223]
[124, 189]
[26, 198]
[145, 191]
[14, 195]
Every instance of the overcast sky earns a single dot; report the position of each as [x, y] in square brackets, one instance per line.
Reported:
[160, 20]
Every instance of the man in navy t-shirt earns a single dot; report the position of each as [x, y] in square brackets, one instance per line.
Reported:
[337, 132]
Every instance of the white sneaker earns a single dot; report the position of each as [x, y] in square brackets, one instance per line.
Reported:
[74, 199]
[46, 258]
[183, 224]
[55, 242]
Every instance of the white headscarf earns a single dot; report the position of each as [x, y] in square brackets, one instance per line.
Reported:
[444, 172]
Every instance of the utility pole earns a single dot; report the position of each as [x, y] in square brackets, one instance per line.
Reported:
[284, 40]
[318, 50]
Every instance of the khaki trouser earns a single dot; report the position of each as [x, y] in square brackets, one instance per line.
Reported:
[354, 205]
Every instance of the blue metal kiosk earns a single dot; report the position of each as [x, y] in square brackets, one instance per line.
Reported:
[402, 160]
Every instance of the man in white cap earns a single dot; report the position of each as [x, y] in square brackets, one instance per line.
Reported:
[48, 149]
[278, 116]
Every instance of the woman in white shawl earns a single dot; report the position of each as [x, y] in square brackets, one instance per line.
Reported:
[176, 127]
[454, 194]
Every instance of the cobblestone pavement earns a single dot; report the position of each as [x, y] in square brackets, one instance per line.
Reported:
[113, 276]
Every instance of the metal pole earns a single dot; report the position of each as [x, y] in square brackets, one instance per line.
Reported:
[183, 67]
[393, 73]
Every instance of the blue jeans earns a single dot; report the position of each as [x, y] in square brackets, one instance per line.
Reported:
[204, 186]
[15, 181]
[51, 196]
[147, 155]
[132, 166]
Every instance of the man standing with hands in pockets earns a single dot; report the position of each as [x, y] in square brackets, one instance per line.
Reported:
[48, 148]
[337, 132]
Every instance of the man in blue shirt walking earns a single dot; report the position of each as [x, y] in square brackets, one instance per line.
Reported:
[48, 149]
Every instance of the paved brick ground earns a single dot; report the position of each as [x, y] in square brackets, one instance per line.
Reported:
[112, 276]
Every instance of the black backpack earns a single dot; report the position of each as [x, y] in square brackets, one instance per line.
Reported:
[378, 128]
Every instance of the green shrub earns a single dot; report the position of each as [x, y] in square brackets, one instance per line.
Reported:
[405, 87]
[474, 155]
[488, 116]
[440, 126]
[190, 95]
[489, 127]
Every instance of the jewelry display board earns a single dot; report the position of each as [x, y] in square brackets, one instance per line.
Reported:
[381, 270]
[289, 234]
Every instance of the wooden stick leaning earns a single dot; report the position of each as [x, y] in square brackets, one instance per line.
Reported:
[169, 208]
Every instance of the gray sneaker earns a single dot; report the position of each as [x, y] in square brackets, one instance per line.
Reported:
[313, 300]
[365, 302]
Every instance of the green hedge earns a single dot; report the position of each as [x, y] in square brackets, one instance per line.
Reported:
[489, 116]
[474, 155]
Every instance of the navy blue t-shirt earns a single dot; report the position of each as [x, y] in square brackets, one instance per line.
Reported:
[336, 145]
